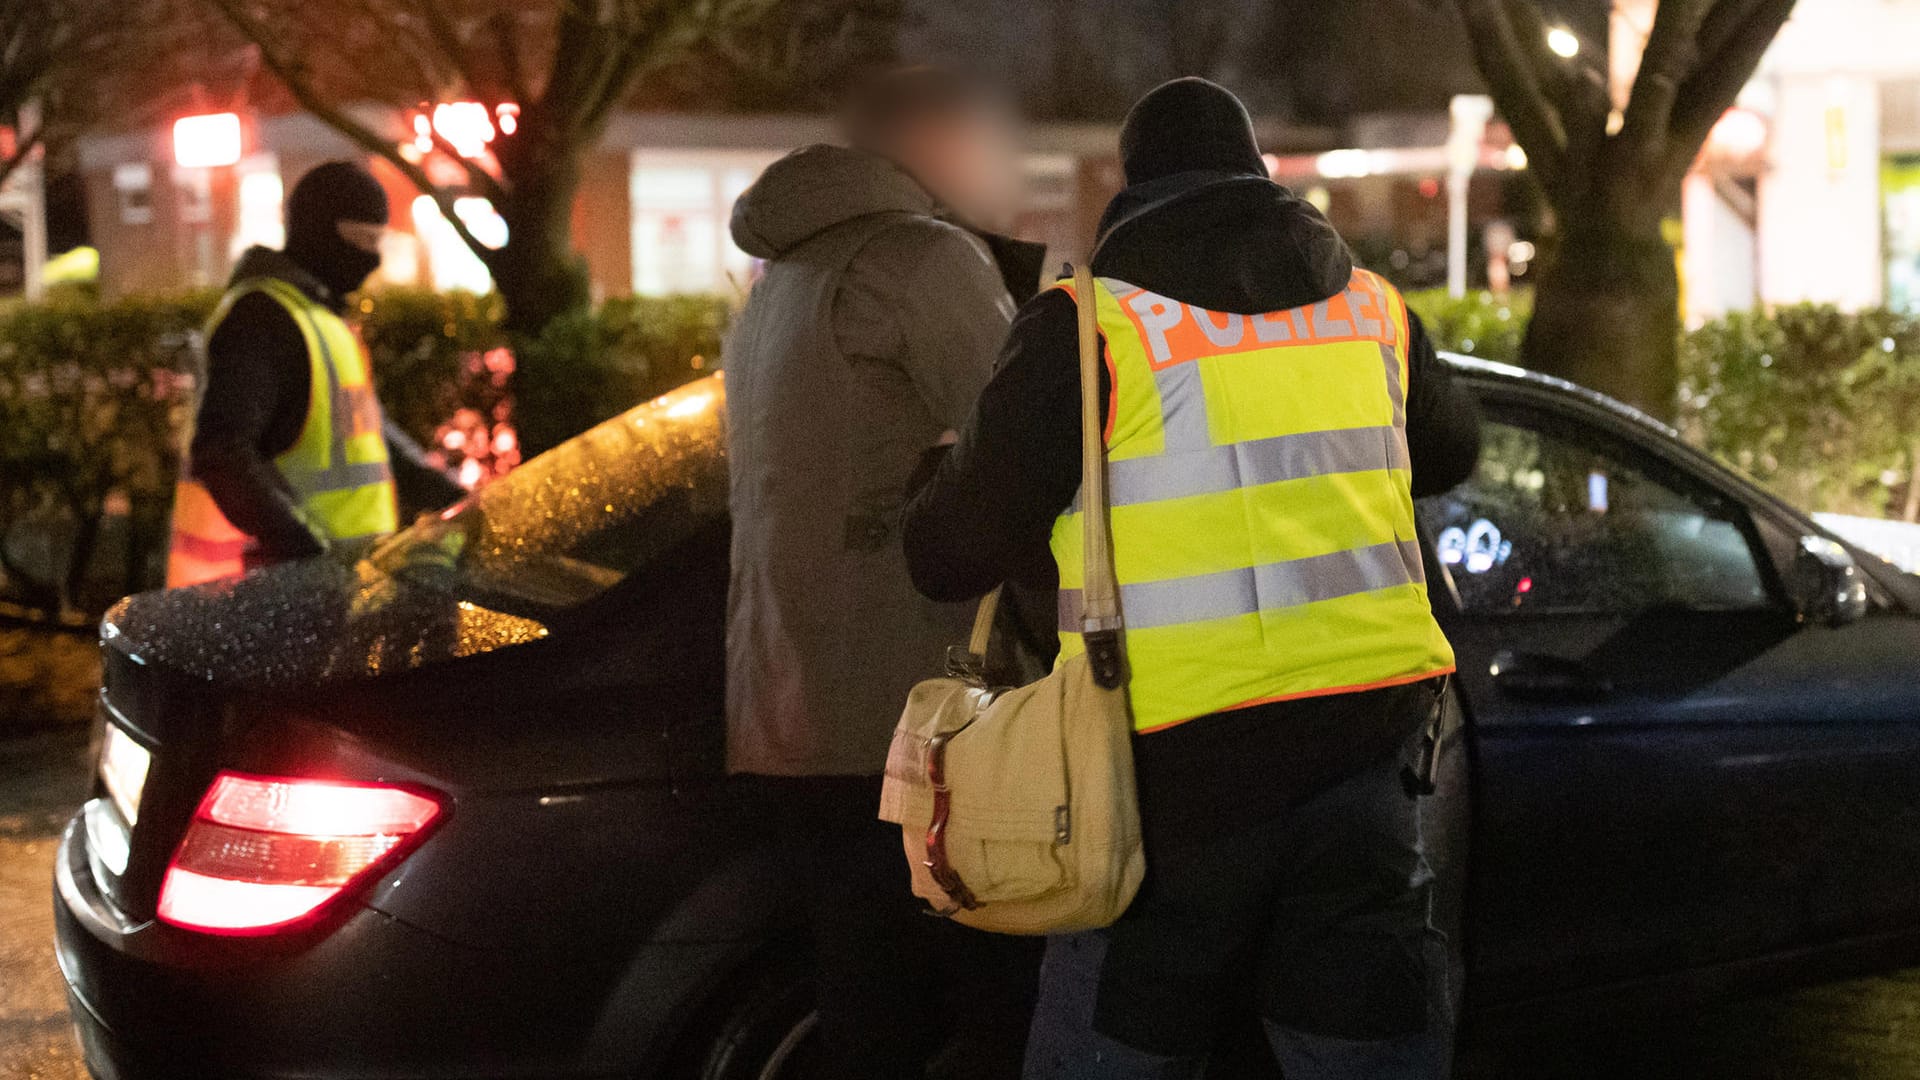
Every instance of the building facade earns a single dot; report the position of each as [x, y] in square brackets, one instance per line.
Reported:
[651, 216]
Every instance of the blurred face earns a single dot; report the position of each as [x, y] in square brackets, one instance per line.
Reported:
[970, 162]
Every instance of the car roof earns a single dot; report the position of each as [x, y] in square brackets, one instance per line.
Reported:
[1496, 372]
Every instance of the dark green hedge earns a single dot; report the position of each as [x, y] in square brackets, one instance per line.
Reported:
[96, 399]
[1478, 324]
[1821, 405]
[93, 401]
[587, 368]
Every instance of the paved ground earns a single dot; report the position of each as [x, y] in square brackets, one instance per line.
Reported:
[1863, 1030]
[42, 778]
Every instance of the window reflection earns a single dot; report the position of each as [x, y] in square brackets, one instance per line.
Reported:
[1550, 524]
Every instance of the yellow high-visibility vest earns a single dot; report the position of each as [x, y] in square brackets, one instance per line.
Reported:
[337, 470]
[1262, 507]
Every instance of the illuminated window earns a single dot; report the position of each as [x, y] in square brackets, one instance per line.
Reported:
[195, 195]
[682, 203]
[133, 190]
[260, 193]
[1900, 193]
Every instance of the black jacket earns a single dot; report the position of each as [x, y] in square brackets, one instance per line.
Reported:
[254, 405]
[1223, 242]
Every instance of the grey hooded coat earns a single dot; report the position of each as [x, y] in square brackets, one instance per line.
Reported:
[870, 335]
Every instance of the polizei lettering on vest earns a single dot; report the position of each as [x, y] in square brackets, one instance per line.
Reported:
[1173, 329]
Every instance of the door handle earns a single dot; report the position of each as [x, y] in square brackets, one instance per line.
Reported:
[1528, 676]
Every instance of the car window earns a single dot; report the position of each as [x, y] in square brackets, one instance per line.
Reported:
[1551, 522]
[579, 518]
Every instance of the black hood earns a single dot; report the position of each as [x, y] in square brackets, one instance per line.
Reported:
[325, 198]
[1223, 241]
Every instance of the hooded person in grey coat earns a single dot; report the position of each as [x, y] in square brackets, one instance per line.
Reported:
[866, 341]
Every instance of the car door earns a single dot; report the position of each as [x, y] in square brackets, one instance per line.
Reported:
[1664, 762]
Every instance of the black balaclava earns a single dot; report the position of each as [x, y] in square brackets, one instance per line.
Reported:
[332, 193]
[1188, 125]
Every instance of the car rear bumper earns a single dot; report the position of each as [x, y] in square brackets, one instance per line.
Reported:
[372, 997]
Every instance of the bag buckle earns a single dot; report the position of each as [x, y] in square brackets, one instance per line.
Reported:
[944, 875]
[1105, 658]
[963, 663]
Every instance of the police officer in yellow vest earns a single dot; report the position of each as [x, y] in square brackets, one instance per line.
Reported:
[1271, 412]
[291, 453]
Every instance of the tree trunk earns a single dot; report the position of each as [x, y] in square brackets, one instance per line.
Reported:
[541, 280]
[539, 275]
[1606, 313]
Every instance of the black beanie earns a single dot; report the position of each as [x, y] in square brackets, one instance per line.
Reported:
[1187, 125]
[330, 194]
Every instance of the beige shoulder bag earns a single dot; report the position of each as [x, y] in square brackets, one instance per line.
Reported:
[1017, 808]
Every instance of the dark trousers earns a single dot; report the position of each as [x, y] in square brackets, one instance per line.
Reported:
[902, 994]
[1317, 920]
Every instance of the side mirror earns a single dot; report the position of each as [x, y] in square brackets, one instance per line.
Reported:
[1827, 585]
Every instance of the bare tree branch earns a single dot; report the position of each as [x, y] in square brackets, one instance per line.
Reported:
[1668, 57]
[1576, 88]
[458, 52]
[567, 65]
[69, 60]
[1718, 78]
[1517, 91]
[293, 78]
[506, 40]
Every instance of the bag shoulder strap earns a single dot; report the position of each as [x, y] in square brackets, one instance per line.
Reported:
[983, 624]
[1100, 595]
[1100, 625]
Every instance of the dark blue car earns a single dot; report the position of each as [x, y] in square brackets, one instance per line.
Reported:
[457, 810]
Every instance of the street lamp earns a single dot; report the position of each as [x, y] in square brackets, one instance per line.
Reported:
[1563, 42]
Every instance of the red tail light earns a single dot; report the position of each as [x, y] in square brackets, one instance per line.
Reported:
[265, 853]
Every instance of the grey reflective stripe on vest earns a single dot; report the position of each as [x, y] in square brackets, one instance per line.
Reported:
[1183, 399]
[1183, 408]
[340, 474]
[1270, 587]
[1395, 392]
[1250, 464]
[348, 475]
[340, 413]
